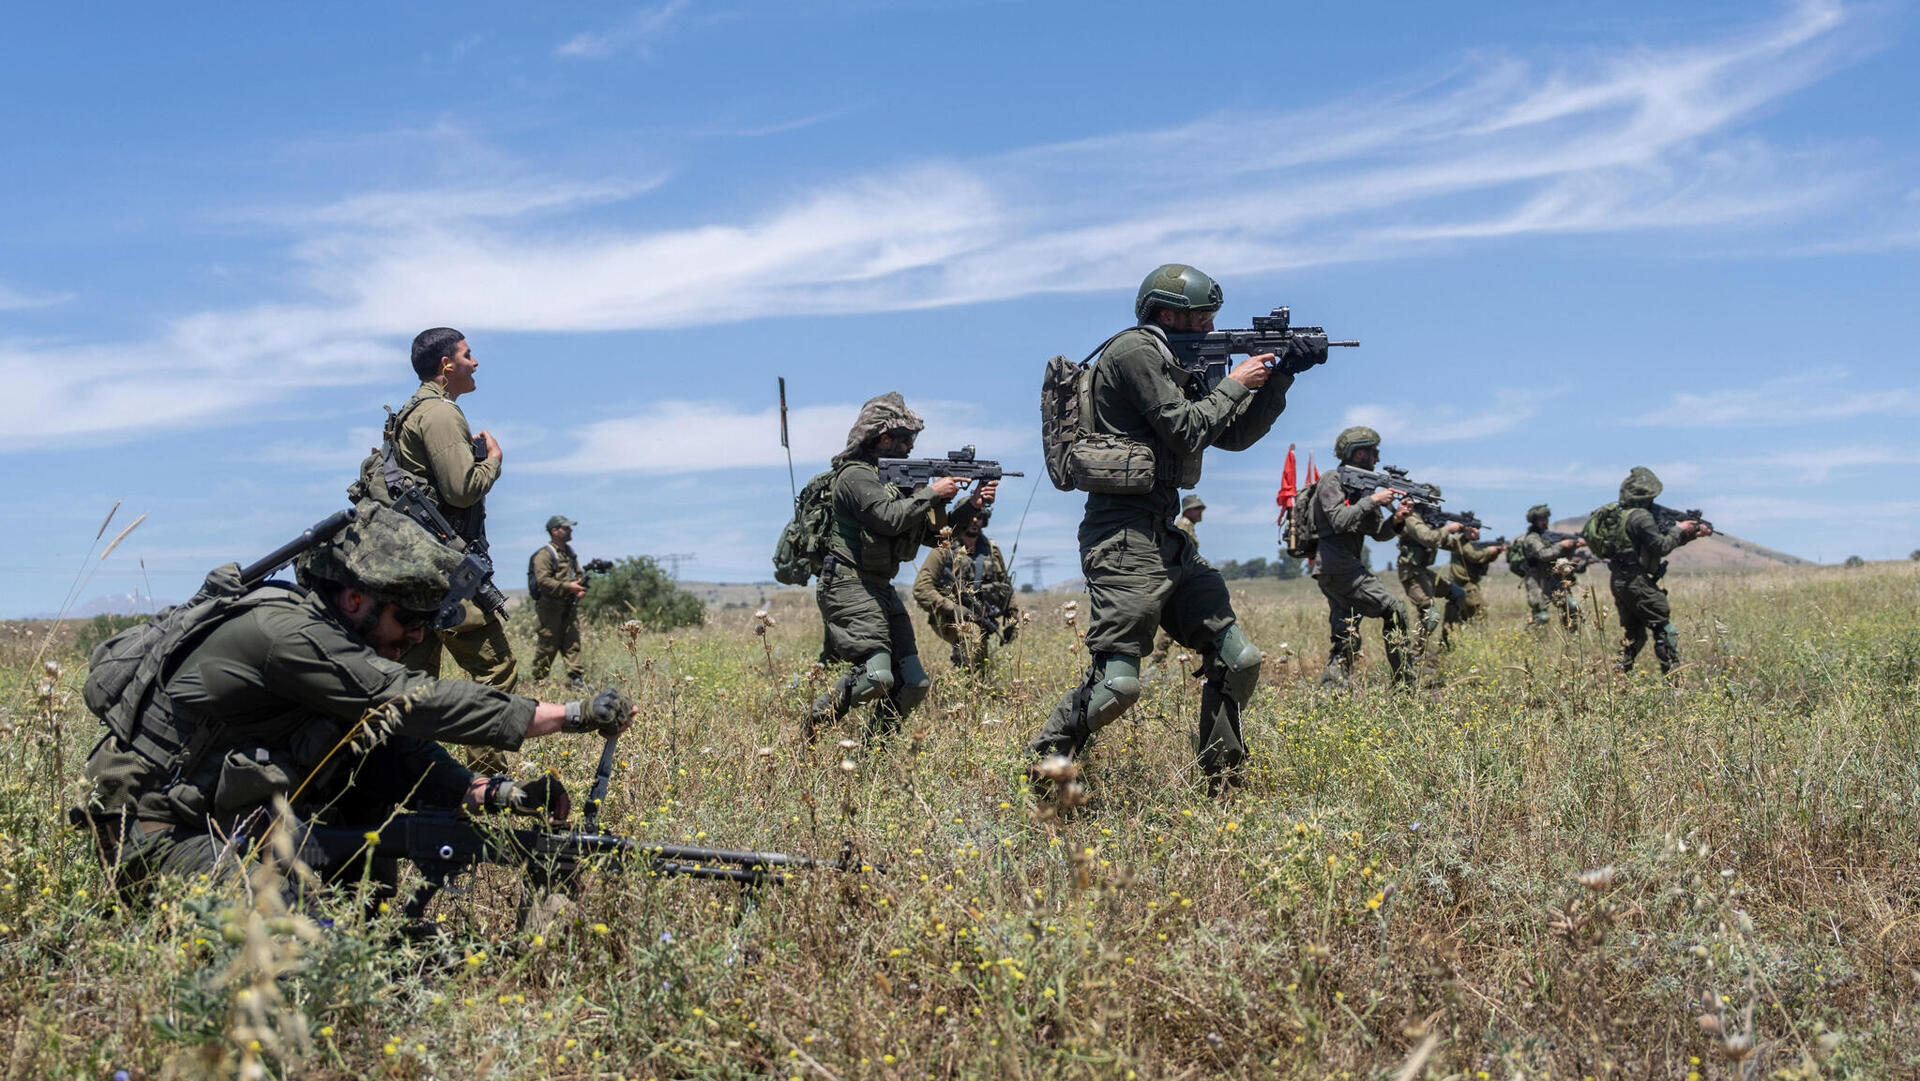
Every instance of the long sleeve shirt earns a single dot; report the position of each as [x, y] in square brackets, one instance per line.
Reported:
[1342, 529]
[875, 527]
[436, 443]
[1651, 545]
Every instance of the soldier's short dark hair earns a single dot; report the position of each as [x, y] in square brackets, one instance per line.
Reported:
[431, 345]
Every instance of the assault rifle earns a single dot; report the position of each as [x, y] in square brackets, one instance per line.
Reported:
[473, 578]
[1360, 482]
[1666, 517]
[1438, 518]
[444, 844]
[1578, 559]
[1209, 356]
[907, 474]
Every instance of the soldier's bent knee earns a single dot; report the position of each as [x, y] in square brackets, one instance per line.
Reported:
[1116, 687]
[913, 682]
[1239, 660]
[874, 679]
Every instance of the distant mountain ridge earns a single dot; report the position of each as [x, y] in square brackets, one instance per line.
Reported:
[1719, 550]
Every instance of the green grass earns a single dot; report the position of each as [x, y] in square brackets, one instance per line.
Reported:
[1401, 874]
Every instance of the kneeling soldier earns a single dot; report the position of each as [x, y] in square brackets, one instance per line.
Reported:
[965, 590]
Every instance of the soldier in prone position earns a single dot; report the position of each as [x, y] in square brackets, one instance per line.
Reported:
[554, 571]
[271, 702]
[1142, 572]
[875, 529]
[965, 589]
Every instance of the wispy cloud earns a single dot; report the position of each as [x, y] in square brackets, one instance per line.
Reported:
[634, 34]
[13, 300]
[1644, 139]
[1419, 423]
[1796, 399]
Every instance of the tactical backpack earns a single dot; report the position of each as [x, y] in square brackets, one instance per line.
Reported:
[127, 669]
[1077, 457]
[533, 584]
[1606, 532]
[1296, 529]
[1517, 558]
[803, 543]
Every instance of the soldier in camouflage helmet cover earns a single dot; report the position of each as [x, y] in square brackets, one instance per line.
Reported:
[1420, 545]
[1462, 576]
[1342, 527]
[876, 528]
[1143, 572]
[1549, 577]
[264, 703]
[1635, 572]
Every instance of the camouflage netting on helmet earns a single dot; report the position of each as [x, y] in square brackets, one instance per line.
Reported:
[1641, 486]
[883, 414]
[1190, 501]
[1538, 513]
[1353, 439]
[385, 555]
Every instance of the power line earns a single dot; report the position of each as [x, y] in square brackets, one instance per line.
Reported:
[1038, 564]
[673, 561]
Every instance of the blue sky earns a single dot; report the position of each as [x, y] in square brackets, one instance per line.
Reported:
[1570, 241]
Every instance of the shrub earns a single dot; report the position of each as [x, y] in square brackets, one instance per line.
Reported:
[1855, 561]
[636, 588]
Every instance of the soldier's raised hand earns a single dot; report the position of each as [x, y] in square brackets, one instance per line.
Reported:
[1452, 527]
[1385, 496]
[493, 445]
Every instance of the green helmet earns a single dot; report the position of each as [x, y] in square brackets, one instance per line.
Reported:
[1641, 486]
[1179, 287]
[1539, 513]
[1353, 439]
[387, 556]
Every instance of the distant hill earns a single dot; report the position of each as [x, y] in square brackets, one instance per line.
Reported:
[1717, 551]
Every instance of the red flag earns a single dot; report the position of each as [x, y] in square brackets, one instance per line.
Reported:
[1289, 491]
[1313, 473]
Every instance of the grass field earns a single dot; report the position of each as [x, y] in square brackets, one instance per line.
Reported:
[1533, 869]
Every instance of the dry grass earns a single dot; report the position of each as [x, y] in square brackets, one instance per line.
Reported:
[1532, 870]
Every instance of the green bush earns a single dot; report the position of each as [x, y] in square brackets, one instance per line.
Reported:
[636, 588]
[1855, 561]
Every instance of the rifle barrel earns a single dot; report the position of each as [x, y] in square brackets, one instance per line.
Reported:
[319, 533]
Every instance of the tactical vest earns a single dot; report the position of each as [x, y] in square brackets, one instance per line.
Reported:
[381, 474]
[872, 553]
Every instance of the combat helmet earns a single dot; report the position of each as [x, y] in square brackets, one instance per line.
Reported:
[1179, 287]
[1539, 512]
[1353, 439]
[1640, 487]
[387, 556]
[1192, 500]
[881, 414]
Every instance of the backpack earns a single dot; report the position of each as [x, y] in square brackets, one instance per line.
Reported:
[533, 584]
[1078, 458]
[803, 543]
[1296, 530]
[126, 669]
[1606, 532]
[1517, 558]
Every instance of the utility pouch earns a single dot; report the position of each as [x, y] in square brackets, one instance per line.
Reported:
[249, 777]
[1111, 465]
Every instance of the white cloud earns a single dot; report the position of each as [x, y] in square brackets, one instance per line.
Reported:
[1421, 423]
[634, 34]
[13, 300]
[1795, 399]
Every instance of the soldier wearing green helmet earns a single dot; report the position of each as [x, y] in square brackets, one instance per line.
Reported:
[1420, 545]
[1342, 528]
[1636, 569]
[297, 693]
[1142, 572]
[1549, 582]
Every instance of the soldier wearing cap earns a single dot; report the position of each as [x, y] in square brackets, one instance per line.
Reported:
[554, 579]
[876, 528]
[965, 589]
[1549, 575]
[1341, 528]
[297, 692]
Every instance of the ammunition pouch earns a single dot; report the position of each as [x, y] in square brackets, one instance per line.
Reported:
[1113, 465]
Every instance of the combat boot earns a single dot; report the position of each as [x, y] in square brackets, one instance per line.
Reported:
[829, 708]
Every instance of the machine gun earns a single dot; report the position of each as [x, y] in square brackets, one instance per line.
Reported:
[1295, 349]
[319, 533]
[1666, 517]
[444, 844]
[907, 474]
[1361, 482]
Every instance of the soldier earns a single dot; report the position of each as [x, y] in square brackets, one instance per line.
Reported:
[1420, 545]
[554, 576]
[1341, 529]
[965, 589]
[1638, 566]
[1142, 571]
[1464, 571]
[1549, 574]
[875, 529]
[1192, 509]
[433, 449]
[297, 693]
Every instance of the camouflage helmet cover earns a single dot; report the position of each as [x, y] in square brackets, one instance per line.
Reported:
[1179, 287]
[886, 413]
[1192, 500]
[387, 556]
[1539, 512]
[1353, 439]
[1641, 486]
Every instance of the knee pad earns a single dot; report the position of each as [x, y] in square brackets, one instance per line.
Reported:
[913, 683]
[1237, 662]
[874, 679]
[1116, 687]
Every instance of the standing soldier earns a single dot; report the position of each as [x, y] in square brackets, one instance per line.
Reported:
[1142, 572]
[554, 579]
[1341, 529]
[1420, 545]
[1464, 571]
[1548, 573]
[428, 445]
[875, 529]
[965, 589]
[1637, 560]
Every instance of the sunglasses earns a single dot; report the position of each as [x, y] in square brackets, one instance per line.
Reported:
[410, 620]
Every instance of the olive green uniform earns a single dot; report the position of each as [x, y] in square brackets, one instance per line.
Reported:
[954, 585]
[555, 567]
[1465, 571]
[1547, 588]
[1420, 545]
[435, 444]
[1144, 573]
[1637, 596]
[263, 706]
[1162, 642]
[1341, 530]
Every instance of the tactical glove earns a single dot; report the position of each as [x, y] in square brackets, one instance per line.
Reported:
[1303, 352]
[543, 796]
[606, 713]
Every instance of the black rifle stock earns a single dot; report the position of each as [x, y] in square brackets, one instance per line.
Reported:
[319, 533]
[1361, 482]
[908, 474]
[1209, 356]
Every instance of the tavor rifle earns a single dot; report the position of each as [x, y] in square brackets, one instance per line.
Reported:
[1295, 349]
[1360, 482]
[908, 474]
